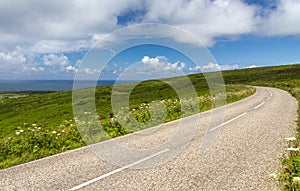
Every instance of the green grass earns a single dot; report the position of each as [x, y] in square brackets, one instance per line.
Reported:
[35, 124]
[28, 119]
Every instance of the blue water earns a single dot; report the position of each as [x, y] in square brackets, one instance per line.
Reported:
[49, 85]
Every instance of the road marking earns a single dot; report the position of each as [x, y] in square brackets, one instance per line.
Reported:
[259, 105]
[219, 126]
[270, 93]
[118, 170]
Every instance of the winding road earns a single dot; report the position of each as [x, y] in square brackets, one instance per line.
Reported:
[249, 143]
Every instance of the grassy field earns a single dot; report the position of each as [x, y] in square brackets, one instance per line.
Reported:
[35, 125]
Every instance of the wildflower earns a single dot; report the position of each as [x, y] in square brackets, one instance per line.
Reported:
[62, 131]
[292, 149]
[58, 134]
[17, 133]
[290, 138]
[53, 132]
[21, 131]
[39, 128]
[34, 125]
[32, 130]
[35, 146]
[296, 179]
[71, 125]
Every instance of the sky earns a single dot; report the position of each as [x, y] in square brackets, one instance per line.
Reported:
[61, 39]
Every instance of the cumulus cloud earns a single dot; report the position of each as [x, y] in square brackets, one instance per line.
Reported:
[32, 29]
[70, 68]
[195, 69]
[252, 66]
[54, 59]
[205, 19]
[12, 62]
[285, 20]
[88, 71]
[161, 64]
[12, 58]
[211, 67]
[59, 26]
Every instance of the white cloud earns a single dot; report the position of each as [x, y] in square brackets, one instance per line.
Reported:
[34, 69]
[252, 66]
[12, 58]
[285, 20]
[205, 19]
[12, 62]
[59, 27]
[54, 59]
[87, 71]
[211, 67]
[161, 64]
[195, 69]
[46, 30]
[70, 68]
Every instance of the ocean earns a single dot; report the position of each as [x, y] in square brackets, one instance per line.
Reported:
[49, 85]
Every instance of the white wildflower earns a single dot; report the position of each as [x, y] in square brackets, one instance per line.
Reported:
[21, 131]
[292, 149]
[17, 133]
[39, 128]
[34, 125]
[290, 138]
[62, 131]
[58, 134]
[54, 132]
[296, 179]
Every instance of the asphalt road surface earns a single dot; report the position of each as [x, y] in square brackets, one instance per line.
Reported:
[242, 152]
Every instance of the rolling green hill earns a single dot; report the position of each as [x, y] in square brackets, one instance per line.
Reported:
[37, 124]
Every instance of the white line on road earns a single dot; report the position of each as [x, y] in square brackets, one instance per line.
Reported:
[219, 126]
[259, 105]
[118, 170]
[270, 95]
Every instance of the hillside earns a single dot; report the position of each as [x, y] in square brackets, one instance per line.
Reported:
[35, 124]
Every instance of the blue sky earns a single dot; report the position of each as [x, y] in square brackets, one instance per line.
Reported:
[53, 39]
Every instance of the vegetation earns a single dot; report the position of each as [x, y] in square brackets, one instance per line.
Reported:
[38, 124]
[35, 124]
[286, 78]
